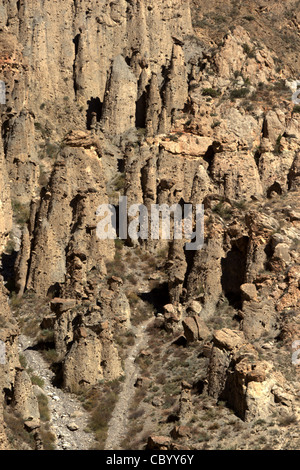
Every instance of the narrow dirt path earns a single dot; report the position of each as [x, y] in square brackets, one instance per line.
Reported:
[68, 418]
[118, 424]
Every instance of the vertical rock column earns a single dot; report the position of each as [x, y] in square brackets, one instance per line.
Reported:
[119, 105]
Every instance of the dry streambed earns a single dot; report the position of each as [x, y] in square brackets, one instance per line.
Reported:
[68, 419]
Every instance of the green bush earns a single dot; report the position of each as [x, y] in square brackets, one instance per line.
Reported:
[43, 407]
[35, 380]
[248, 51]
[277, 145]
[51, 150]
[21, 212]
[211, 92]
[10, 245]
[38, 126]
[23, 361]
[48, 437]
[240, 93]
[119, 183]
[222, 211]
[101, 403]
[296, 109]
[215, 124]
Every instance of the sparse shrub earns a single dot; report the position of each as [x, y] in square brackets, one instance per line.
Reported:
[51, 150]
[222, 211]
[163, 253]
[44, 177]
[38, 126]
[241, 205]
[46, 336]
[211, 92]
[248, 51]
[10, 245]
[281, 86]
[36, 380]
[239, 93]
[15, 301]
[50, 355]
[133, 298]
[21, 212]
[277, 145]
[116, 267]
[287, 420]
[132, 279]
[193, 86]
[100, 402]
[215, 124]
[48, 438]
[119, 244]
[143, 362]
[43, 407]
[137, 414]
[119, 182]
[15, 430]
[203, 436]
[296, 109]
[214, 426]
[23, 361]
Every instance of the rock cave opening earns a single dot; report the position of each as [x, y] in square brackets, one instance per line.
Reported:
[54, 291]
[7, 270]
[234, 270]
[158, 296]
[140, 114]
[274, 188]
[57, 369]
[94, 112]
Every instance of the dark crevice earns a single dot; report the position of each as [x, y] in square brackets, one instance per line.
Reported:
[75, 218]
[209, 158]
[76, 41]
[257, 156]
[121, 165]
[94, 111]
[234, 270]
[54, 291]
[57, 369]
[42, 346]
[8, 395]
[275, 188]
[5, 129]
[189, 257]
[8, 270]
[158, 297]
[180, 342]
[173, 418]
[140, 114]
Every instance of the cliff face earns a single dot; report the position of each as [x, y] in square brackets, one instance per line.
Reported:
[64, 59]
[111, 98]
[67, 67]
